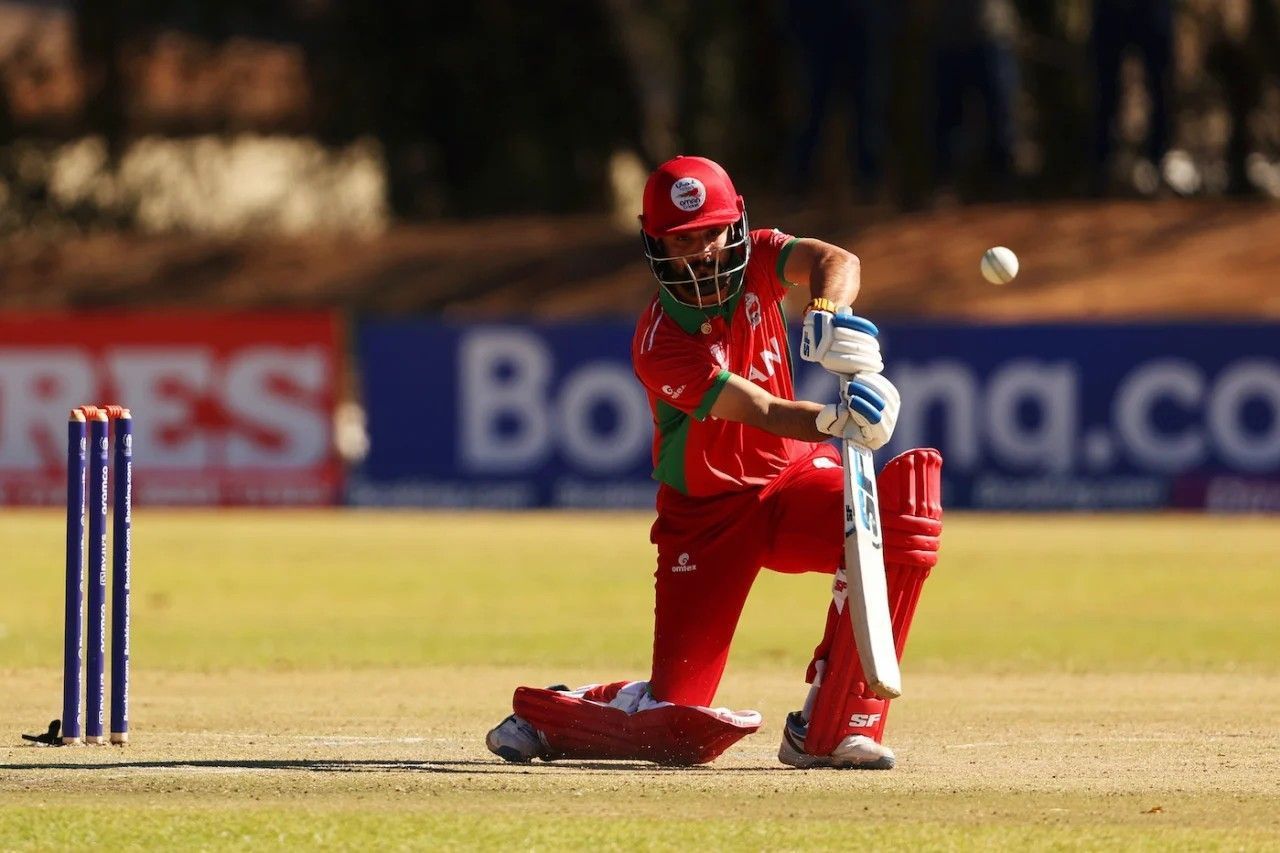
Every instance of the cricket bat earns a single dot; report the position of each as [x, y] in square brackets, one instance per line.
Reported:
[868, 601]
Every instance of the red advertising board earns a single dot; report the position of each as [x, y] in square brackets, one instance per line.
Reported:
[228, 409]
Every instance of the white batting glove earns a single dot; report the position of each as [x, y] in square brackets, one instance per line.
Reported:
[842, 342]
[867, 411]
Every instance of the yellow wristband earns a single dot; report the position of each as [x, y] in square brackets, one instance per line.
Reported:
[820, 304]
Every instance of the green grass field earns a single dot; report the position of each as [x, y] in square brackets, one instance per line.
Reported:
[324, 679]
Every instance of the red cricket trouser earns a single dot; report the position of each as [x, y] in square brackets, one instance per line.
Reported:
[709, 553]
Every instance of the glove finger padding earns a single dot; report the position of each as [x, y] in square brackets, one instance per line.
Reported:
[854, 355]
[873, 403]
[864, 403]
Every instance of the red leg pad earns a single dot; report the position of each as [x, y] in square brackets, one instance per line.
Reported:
[910, 488]
[579, 728]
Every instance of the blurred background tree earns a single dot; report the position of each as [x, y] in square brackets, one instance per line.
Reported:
[500, 107]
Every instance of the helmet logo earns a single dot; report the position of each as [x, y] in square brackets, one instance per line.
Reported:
[688, 194]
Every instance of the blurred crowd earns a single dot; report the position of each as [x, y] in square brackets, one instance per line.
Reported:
[490, 107]
[988, 79]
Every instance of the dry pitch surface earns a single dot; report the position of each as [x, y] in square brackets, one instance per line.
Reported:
[325, 679]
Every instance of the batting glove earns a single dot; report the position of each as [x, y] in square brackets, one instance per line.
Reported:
[867, 411]
[843, 343]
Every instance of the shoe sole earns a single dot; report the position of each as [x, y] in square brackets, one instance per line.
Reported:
[818, 763]
[506, 753]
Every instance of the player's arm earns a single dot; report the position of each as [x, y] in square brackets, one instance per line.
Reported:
[829, 272]
[867, 411]
[844, 344]
[747, 403]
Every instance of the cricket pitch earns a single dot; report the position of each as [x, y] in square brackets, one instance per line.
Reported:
[326, 680]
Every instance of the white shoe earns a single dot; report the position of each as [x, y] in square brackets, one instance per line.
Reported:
[514, 739]
[856, 751]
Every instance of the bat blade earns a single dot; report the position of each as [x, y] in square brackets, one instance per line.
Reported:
[868, 601]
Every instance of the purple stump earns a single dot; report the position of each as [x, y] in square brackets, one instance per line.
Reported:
[96, 642]
[73, 614]
[120, 578]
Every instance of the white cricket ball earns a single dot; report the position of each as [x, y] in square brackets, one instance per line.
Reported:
[999, 265]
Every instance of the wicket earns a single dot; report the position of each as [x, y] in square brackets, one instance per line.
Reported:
[88, 447]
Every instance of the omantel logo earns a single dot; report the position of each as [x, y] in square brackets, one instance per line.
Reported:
[688, 194]
[683, 564]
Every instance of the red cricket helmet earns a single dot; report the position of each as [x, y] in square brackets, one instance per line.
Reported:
[688, 194]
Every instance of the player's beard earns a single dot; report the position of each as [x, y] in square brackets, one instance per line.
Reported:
[699, 283]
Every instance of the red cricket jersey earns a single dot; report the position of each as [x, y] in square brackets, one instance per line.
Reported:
[683, 356]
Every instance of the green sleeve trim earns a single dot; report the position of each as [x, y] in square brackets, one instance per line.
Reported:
[713, 393]
[673, 434]
[782, 261]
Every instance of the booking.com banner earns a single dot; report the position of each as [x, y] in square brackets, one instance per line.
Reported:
[227, 408]
[1027, 417]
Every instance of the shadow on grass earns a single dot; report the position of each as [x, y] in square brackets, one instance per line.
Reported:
[316, 765]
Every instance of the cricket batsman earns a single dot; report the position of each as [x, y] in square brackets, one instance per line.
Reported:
[748, 479]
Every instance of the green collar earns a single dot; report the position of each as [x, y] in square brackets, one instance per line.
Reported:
[690, 318]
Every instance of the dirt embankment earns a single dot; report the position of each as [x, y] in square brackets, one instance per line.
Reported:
[1080, 260]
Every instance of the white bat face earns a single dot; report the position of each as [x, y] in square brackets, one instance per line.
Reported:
[868, 594]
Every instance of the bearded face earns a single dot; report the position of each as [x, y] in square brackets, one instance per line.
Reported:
[695, 234]
[702, 268]
[693, 265]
